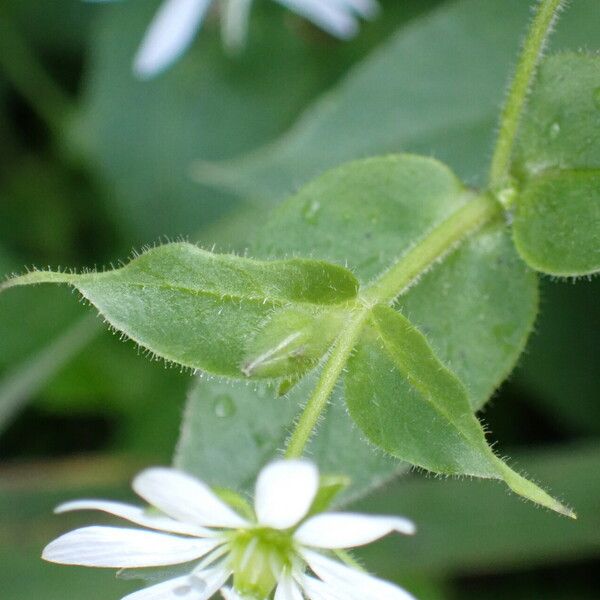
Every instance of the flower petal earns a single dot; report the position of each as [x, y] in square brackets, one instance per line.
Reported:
[120, 548]
[185, 498]
[173, 589]
[169, 35]
[319, 590]
[230, 594]
[285, 490]
[287, 590]
[195, 586]
[234, 21]
[352, 584]
[346, 530]
[136, 515]
[327, 15]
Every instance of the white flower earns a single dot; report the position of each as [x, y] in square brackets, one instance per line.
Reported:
[283, 547]
[176, 22]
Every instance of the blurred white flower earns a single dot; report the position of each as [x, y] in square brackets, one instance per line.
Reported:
[243, 557]
[176, 22]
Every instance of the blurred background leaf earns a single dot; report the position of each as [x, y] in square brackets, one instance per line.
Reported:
[450, 69]
[144, 136]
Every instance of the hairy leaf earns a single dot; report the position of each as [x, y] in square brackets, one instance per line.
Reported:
[379, 215]
[561, 123]
[557, 220]
[197, 308]
[410, 404]
[477, 310]
[374, 214]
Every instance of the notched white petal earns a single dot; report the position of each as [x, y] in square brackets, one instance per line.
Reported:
[351, 583]
[285, 490]
[169, 35]
[121, 548]
[185, 498]
[136, 515]
[347, 530]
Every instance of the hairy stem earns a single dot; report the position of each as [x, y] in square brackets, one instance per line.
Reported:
[331, 372]
[432, 248]
[22, 69]
[517, 96]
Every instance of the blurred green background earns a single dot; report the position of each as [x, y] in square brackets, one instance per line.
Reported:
[94, 163]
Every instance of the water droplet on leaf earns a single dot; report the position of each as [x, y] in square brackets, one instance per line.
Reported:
[224, 406]
[554, 130]
[311, 211]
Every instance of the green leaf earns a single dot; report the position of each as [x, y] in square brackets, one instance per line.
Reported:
[557, 163]
[330, 487]
[196, 308]
[559, 128]
[369, 213]
[232, 429]
[433, 89]
[557, 222]
[407, 402]
[382, 215]
[477, 310]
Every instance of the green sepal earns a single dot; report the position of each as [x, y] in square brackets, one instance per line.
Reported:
[236, 501]
[330, 487]
[291, 342]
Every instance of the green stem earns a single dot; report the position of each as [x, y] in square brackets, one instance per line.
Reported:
[21, 67]
[331, 372]
[432, 248]
[517, 95]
